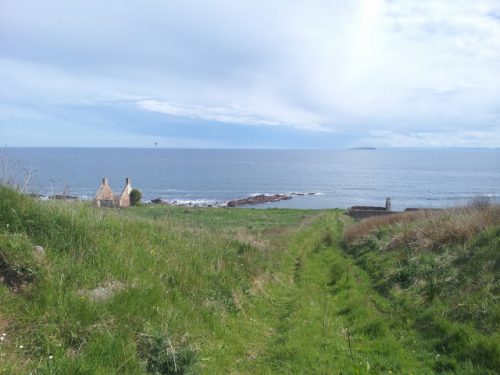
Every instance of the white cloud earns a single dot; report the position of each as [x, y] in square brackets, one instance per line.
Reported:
[231, 115]
[397, 66]
[464, 139]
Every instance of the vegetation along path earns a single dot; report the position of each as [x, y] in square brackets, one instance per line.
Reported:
[326, 318]
[170, 290]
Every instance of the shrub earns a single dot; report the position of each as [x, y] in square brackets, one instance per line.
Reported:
[135, 197]
[162, 356]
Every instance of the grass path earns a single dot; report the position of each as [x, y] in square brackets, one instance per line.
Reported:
[241, 291]
[322, 316]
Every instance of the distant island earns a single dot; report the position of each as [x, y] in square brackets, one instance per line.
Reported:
[363, 148]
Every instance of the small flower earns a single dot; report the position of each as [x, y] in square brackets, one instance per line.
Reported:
[51, 356]
[21, 346]
[4, 334]
[2, 338]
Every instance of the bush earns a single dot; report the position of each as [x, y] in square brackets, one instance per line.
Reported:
[135, 197]
[161, 356]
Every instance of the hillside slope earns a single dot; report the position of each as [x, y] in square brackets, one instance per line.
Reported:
[173, 290]
[442, 269]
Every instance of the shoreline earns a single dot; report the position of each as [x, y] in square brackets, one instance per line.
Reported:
[263, 201]
[251, 200]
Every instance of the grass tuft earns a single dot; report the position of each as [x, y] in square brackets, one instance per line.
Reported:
[162, 355]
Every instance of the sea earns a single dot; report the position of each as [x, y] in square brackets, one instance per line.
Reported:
[315, 179]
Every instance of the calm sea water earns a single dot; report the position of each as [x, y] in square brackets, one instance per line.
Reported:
[340, 178]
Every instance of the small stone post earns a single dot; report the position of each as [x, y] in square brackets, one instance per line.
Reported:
[388, 204]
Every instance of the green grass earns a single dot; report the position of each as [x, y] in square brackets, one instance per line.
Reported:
[214, 291]
[443, 269]
[223, 218]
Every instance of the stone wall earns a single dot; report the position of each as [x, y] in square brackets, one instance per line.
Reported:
[361, 214]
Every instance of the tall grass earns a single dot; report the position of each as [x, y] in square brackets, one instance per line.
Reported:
[239, 291]
[190, 279]
[428, 229]
[443, 266]
[63, 227]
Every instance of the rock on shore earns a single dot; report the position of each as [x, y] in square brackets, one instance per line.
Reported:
[258, 199]
[159, 201]
[254, 199]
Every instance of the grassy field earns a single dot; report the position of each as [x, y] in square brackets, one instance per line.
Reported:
[170, 290]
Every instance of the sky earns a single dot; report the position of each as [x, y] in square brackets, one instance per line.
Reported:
[250, 73]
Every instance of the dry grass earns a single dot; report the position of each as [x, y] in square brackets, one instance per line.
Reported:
[442, 267]
[427, 229]
[369, 225]
[4, 323]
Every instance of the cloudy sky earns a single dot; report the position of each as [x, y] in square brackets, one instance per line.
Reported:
[250, 73]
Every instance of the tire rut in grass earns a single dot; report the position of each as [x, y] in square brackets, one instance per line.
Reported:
[286, 350]
[281, 350]
[297, 269]
[279, 355]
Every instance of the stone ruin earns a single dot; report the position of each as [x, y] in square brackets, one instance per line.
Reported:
[105, 197]
[360, 212]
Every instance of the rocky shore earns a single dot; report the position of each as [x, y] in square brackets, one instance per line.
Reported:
[62, 197]
[258, 199]
[251, 200]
